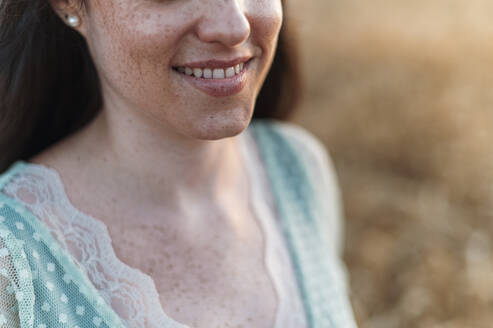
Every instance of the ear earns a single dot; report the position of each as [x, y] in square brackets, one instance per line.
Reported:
[67, 8]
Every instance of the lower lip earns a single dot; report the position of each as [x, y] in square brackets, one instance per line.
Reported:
[219, 87]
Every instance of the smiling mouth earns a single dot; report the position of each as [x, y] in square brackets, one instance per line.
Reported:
[215, 80]
[213, 73]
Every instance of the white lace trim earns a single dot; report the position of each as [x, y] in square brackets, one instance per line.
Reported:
[130, 292]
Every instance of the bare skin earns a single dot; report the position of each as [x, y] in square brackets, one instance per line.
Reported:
[160, 165]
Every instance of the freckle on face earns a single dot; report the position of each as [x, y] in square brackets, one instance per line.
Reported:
[135, 44]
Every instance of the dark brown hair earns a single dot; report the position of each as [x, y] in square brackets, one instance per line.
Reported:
[49, 86]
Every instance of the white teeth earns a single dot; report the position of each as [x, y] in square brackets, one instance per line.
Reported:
[230, 72]
[197, 72]
[210, 73]
[218, 73]
[207, 73]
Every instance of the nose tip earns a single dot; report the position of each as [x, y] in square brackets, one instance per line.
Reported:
[227, 25]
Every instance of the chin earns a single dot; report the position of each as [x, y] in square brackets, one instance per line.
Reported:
[215, 127]
[221, 131]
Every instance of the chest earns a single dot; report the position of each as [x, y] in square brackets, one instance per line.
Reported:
[214, 276]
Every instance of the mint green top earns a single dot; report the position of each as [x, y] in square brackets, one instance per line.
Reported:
[42, 286]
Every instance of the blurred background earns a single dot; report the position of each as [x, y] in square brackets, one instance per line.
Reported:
[400, 92]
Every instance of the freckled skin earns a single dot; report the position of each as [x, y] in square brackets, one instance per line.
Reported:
[175, 203]
[214, 278]
[136, 43]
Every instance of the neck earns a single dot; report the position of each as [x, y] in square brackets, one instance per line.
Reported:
[147, 162]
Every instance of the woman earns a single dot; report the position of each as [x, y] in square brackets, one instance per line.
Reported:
[136, 191]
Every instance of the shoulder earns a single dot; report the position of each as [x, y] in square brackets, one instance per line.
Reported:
[28, 206]
[321, 173]
[19, 189]
[16, 275]
[30, 187]
[309, 148]
[304, 142]
[298, 134]
[11, 210]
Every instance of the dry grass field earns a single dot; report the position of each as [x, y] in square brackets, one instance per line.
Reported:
[401, 93]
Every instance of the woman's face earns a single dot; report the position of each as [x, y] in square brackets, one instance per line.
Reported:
[195, 66]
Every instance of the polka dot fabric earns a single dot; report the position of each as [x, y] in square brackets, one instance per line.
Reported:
[41, 285]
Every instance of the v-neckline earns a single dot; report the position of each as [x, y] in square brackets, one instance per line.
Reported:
[100, 225]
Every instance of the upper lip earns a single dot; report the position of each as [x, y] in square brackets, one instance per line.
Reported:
[215, 63]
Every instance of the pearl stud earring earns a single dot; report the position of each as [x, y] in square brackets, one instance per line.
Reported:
[73, 20]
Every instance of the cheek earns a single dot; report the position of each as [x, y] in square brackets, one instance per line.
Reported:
[133, 40]
[133, 50]
[266, 17]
